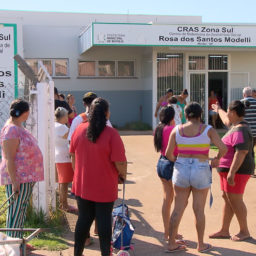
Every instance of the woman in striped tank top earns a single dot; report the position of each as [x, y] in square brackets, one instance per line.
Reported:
[192, 172]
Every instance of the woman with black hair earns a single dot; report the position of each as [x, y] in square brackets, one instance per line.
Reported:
[165, 166]
[21, 165]
[191, 172]
[235, 169]
[98, 158]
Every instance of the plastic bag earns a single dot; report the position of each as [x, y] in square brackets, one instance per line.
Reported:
[9, 249]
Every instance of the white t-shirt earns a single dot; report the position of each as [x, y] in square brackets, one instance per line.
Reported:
[178, 111]
[61, 145]
[76, 121]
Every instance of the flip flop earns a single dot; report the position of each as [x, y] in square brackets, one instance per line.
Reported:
[72, 209]
[208, 248]
[240, 240]
[181, 242]
[220, 237]
[177, 249]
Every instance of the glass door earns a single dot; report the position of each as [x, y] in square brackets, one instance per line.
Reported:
[198, 91]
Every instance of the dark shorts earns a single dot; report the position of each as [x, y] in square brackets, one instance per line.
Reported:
[240, 183]
[165, 168]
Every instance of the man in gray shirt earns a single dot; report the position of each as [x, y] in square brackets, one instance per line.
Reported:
[250, 113]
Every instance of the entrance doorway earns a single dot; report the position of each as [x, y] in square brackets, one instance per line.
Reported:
[218, 82]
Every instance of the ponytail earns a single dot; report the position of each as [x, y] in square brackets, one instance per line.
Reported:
[97, 119]
[166, 116]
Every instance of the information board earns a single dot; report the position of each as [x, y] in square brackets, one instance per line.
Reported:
[174, 35]
[8, 69]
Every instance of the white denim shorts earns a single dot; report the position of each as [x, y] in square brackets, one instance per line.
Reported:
[192, 172]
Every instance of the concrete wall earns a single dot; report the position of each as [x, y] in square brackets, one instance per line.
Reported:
[124, 105]
[245, 61]
[126, 95]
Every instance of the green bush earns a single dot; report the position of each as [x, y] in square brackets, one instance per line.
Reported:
[136, 126]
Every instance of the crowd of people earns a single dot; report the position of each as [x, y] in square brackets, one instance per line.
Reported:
[90, 154]
[185, 167]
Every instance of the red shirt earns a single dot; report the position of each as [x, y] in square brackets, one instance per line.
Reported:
[95, 176]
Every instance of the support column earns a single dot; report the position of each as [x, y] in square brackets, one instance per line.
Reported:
[154, 87]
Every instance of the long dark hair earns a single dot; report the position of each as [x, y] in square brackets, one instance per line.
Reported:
[97, 119]
[166, 116]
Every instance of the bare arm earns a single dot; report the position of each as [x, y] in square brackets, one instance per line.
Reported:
[215, 139]
[73, 160]
[222, 113]
[158, 106]
[65, 136]
[122, 170]
[10, 148]
[236, 163]
[171, 146]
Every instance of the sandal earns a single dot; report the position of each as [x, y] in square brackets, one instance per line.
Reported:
[177, 249]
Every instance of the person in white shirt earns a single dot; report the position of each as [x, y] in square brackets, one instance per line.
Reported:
[83, 117]
[178, 111]
[62, 157]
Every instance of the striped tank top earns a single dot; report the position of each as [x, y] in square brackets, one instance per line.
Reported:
[200, 144]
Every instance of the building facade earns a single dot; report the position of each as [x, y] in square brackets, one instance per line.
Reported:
[132, 59]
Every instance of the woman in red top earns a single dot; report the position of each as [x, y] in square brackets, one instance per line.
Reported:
[99, 161]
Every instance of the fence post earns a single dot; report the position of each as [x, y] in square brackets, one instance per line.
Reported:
[44, 193]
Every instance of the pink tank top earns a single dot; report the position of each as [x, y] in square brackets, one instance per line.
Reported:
[165, 139]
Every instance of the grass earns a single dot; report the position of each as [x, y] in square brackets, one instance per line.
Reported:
[2, 199]
[52, 239]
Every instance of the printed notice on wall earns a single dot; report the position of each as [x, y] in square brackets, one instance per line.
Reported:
[7, 71]
[174, 35]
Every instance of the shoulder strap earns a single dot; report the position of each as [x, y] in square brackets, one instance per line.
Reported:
[200, 128]
[182, 130]
[207, 128]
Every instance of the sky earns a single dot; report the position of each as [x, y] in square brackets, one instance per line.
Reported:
[217, 11]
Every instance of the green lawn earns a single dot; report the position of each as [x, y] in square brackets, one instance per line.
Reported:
[52, 239]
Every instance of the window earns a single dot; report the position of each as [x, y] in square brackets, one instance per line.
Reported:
[48, 65]
[196, 62]
[169, 73]
[126, 68]
[86, 68]
[113, 68]
[55, 67]
[218, 62]
[61, 67]
[106, 68]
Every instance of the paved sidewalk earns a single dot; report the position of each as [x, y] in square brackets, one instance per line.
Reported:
[144, 197]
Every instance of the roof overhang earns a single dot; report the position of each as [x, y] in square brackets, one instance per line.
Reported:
[141, 34]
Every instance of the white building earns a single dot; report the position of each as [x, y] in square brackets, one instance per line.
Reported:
[132, 59]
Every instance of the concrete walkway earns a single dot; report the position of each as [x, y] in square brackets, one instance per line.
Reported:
[144, 198]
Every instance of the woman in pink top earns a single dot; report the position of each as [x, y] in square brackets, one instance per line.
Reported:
[164, 166]
[22, 164]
